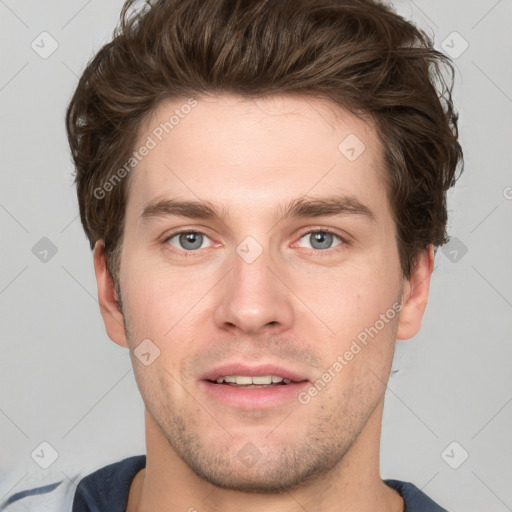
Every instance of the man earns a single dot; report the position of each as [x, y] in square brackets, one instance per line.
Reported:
[264, 186]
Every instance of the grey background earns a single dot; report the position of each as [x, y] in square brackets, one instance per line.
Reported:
[65, 383]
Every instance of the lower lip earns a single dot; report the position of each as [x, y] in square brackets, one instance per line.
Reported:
[253, 398]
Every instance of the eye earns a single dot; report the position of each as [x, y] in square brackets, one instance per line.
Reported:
[320, 239]
[188, 240]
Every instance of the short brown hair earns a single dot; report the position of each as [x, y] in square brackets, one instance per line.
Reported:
[358, 54]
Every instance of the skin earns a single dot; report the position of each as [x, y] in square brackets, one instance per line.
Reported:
[296, 305]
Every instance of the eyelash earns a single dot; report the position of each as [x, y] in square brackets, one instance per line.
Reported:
[317, 252]
[326, 252]
[182, 252]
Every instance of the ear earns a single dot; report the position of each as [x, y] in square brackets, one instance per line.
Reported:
[107, 297]
[415, 295]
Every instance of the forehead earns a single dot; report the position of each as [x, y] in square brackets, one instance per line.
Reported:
[251, 154]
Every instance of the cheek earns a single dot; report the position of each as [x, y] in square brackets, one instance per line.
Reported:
[356, 371]
[351, 299]
[360, 306]
[158, 297]
[165, 306]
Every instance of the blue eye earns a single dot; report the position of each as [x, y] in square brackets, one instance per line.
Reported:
[188, 240]
[321, 239]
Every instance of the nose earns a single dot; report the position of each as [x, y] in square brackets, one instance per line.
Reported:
[254, 298]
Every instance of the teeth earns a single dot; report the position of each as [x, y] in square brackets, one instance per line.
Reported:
[242, 380]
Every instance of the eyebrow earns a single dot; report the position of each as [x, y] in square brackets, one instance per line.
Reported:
[301, 207]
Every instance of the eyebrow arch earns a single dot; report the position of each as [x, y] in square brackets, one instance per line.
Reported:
[192, 209]
[297, 208]
[327, 206]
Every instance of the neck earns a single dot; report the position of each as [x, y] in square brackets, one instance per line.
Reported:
[354, 484]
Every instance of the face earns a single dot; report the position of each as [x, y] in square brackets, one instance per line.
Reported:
[259, 259]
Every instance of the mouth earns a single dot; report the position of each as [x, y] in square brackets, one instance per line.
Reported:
[261, 381]
[245, 387]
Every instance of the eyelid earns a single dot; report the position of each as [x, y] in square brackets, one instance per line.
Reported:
[173, 234]
[344, 239]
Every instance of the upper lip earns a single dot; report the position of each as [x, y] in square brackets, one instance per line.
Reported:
[252, 371]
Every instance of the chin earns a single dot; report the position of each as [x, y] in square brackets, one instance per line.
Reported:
[270, 471]
[259, 480]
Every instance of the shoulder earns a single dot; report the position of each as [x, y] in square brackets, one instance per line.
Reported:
[415, 500]
[107, 488]
[91, 493]
[57, 496]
